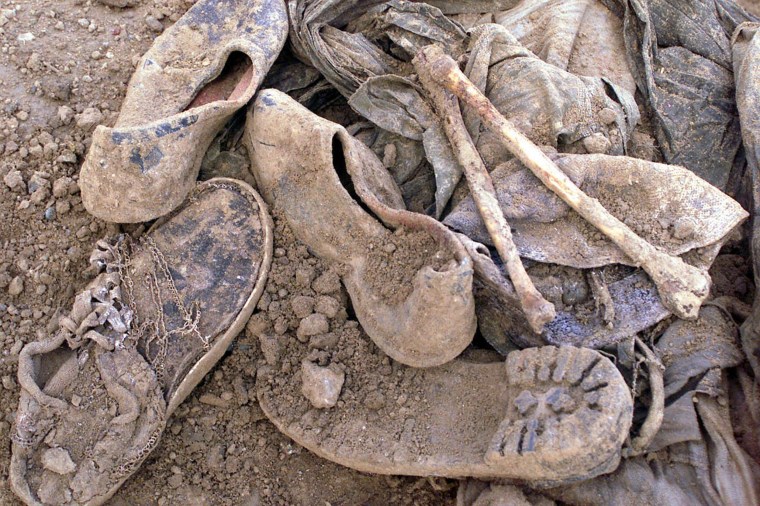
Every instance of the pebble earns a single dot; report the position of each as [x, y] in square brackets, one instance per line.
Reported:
[65, 114]
[324, 341]
[154, 24]
[62, 207]
[321, 385]
[607, 116]
[76, 400]
[328, 306]
[58, 460]
[89, 118]
[8, 383]
[312, 325]
[684, 228]
[50, 214]
[37, 181]
[16, 348]
[374, 401]
[305, 275]
[61, 186]
[67, 157]
[271, 348]
[16, 286]
[329, 282]
[213, 400]
[597, 143]
[14, 180]
[302, 305]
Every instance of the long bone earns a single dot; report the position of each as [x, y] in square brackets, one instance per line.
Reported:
[681, 286]
[538, 310]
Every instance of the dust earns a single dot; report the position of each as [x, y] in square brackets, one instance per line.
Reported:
[393, 264]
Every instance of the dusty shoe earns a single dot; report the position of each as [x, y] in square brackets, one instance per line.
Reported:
[546, 416]
[163, 309]
[195, 76]
[411, 288]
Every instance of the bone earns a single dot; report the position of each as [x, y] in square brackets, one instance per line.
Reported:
[682, 287]
[538, 310]
[651, 425]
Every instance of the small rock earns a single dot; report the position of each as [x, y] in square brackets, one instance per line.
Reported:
[597, 143]
[684, 228]
[328, 306]
[213, 400]
[271, 348]
[40, 195]
[324, 341]
[62, 207]
[329, 282]
[54, 491]
[8, 383]
[305, 275]
[58, 460]
[89, 118]
[257, 324]
[302, 306]
[65, 114]
[50, 214]
[374, 401]
[175, 480]
[76, 400]
[61, 186]
[607, 116]
[321, 385]
[16, 286]
[14, 180]
[154, 24]
[37, 181]
[22, 115]
[67, 157]
[312, 325]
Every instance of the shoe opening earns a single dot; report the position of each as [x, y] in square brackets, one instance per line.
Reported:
[230, 84]
[339, 164]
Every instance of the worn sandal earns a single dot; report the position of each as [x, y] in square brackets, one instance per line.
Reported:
[162, 311]
[195, 76]
[546, 416]
[411, 288]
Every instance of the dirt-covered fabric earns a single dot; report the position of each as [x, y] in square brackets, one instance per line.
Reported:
[746, 52]
[581, 36]
[550, 106]
[632, 305]
[694, 458]
[680, 55]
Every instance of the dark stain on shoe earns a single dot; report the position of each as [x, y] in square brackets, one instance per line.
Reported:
[170, 128]
[147, 162]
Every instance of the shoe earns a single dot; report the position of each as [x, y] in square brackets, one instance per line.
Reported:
[163, 309]
[186, 87]
[411, 287]
[545, 416]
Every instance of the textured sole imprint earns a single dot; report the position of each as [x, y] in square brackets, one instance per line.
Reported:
[569, 414]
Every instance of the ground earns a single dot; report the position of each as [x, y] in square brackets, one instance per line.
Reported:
[63, 69]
